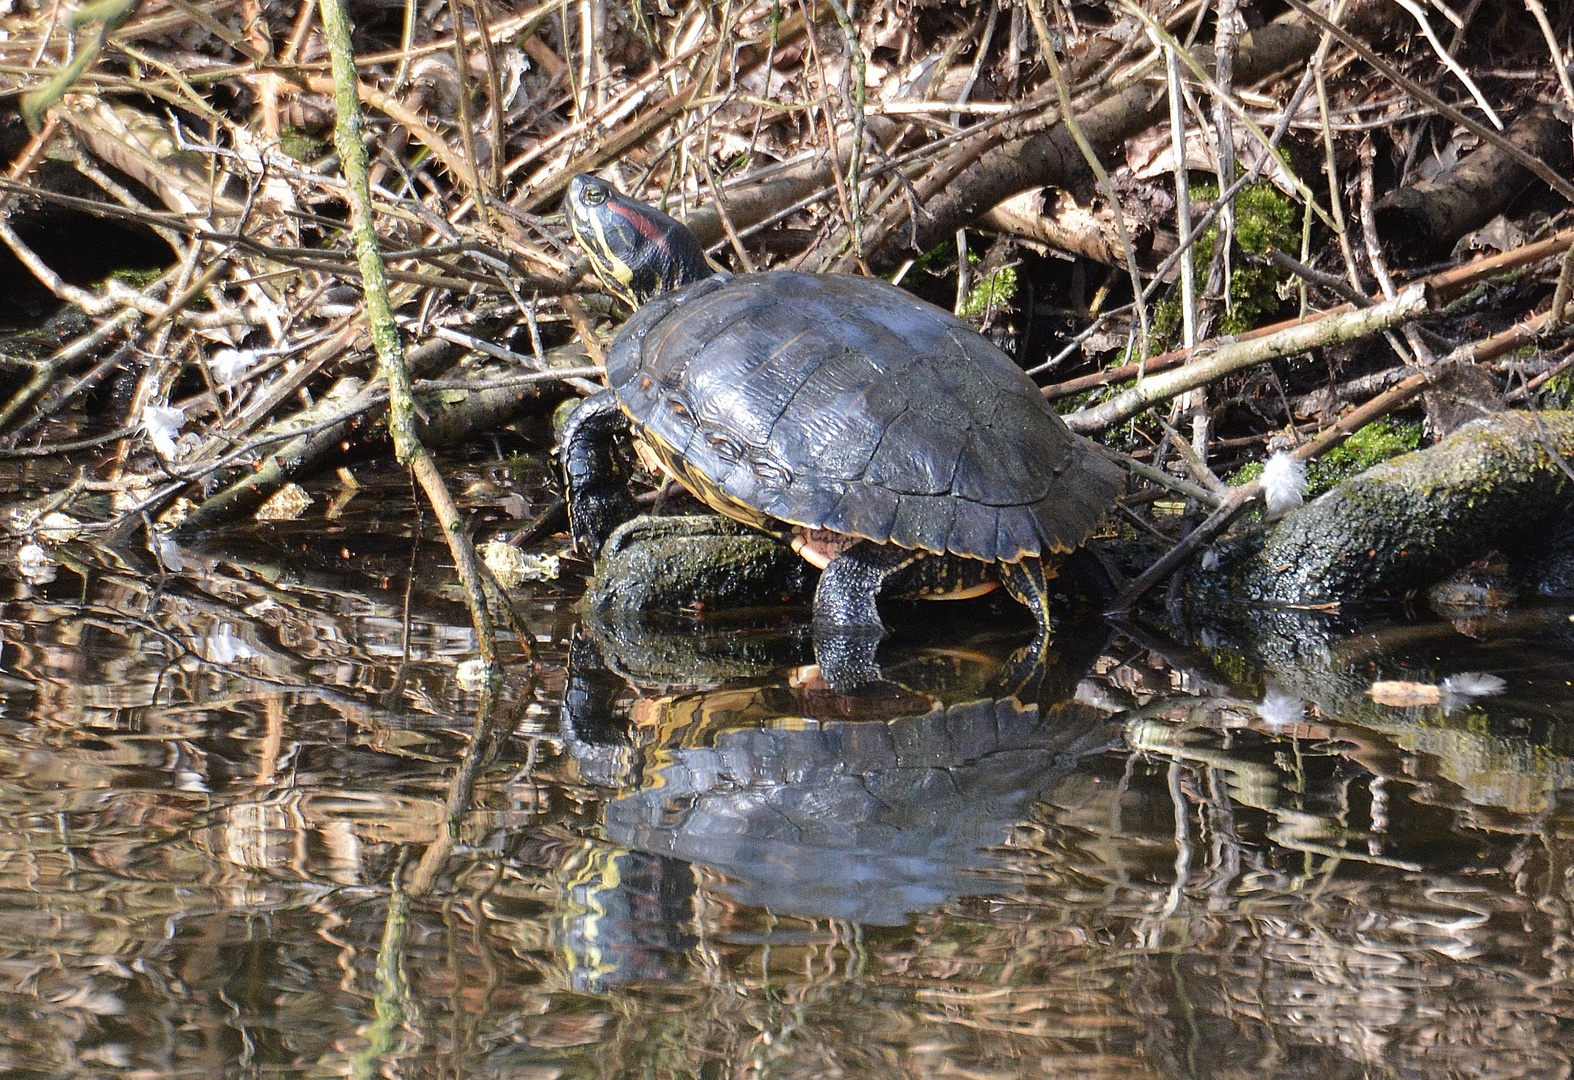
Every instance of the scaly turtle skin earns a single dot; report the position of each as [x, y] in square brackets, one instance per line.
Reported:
[842, 406]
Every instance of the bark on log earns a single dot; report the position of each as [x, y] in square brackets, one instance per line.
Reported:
[751, 203]
[1053, 217]
[446, 418]
[1428, 217]
[1051, 157]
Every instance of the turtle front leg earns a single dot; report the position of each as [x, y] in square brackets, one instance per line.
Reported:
[595, 473]
[593, 738]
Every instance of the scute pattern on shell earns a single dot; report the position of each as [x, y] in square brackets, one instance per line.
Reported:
[847, 404]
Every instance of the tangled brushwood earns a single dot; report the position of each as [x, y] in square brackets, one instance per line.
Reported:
[1269, 223]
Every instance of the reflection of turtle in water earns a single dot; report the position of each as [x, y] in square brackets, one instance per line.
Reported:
[862, 820]
[814, 803]
[895, 446]
[622, 917]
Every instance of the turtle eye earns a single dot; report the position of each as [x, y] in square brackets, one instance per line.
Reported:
[595, 194]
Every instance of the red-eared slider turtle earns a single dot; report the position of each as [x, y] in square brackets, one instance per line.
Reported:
[874, 428]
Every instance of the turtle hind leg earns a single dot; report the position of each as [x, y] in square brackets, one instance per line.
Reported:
[1028, 583]
[847, 626]
[595, 472]
[847, 598]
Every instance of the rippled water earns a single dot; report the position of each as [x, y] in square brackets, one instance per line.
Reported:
[253, 825]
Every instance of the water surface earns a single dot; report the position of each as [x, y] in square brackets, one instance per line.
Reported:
[253, 825]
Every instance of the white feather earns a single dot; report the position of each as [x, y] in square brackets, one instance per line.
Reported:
[1280, 709]
[229, 365]
[1283, 483]
[1473, 684]
[162, 424]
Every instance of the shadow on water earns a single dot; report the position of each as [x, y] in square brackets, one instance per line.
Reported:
[1214, 853]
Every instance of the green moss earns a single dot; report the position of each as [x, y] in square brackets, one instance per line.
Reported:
[1245, 474]
[1367, 446]
[991, 292]
[137, 279]
[1165, 328]
[1264, 218]
[1557, 392]
[938, 261]
[1254, 296]
[302, 146]
[1235, 668]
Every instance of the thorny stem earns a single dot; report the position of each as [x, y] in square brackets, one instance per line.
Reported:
[860, 89]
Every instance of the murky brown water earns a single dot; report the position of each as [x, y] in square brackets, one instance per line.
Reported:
[1155, 863]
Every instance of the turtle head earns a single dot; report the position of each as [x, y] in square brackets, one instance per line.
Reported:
[636, 250]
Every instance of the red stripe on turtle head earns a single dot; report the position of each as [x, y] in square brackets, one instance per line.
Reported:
[646, 227]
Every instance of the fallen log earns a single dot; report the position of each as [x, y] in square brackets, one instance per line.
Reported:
[1429, 216]
[446, 417]
[1499, 484]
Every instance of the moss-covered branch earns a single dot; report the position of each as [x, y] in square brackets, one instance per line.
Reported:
[349, 140]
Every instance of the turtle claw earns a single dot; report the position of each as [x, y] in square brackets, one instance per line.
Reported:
[595, 515]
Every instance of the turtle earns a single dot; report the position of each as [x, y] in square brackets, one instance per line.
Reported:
[889, 442]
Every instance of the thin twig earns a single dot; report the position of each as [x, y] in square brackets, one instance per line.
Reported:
[1047, 52]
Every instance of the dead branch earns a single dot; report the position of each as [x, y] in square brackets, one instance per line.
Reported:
[1208, 365]
[1051, 158]
[1428, 216]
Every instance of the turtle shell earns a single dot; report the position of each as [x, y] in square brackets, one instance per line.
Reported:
[847, 404]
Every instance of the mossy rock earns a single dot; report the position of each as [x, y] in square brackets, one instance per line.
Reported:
[1495, 485]
[694, 563]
